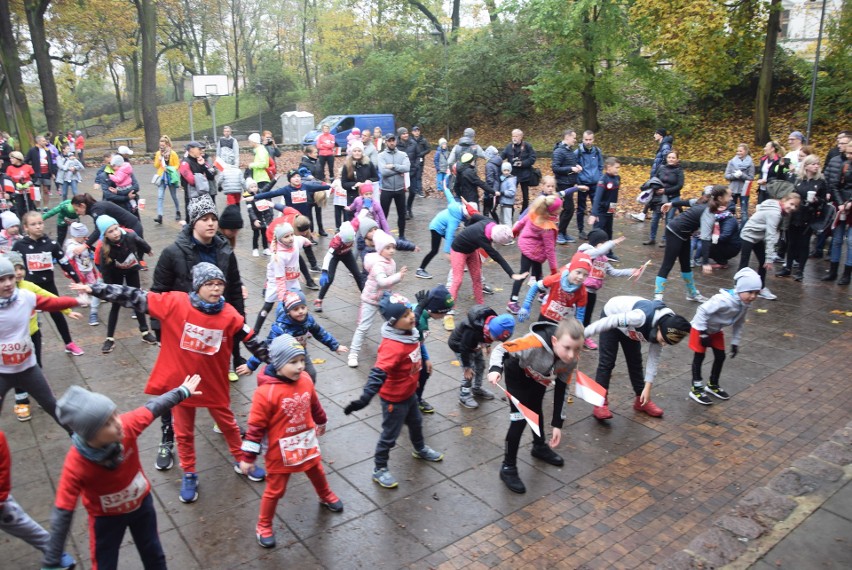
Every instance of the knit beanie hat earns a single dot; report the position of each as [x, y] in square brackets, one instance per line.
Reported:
[674, 328]
[9, 219]
[401, 131]
[293, 299]
[356, 145]
[580, 260]
[501, 327]
[437, 300]
[249, 183]
[6, 266]
[355, 131]
[116, 161]
[231, 218]
[84, 412]
[284, 349]
[505, 167]
[501, 234]
[291, 173]
[366, 188]
[747, 279]
[556, 206]
[204, 272]
[15, 257]
[366, 224]
[79, 229]
[346, 232]
[597, 236]
[392, 307]
[282, 230]
[661, 132]
[441, 141]
[382, 239]
[200, 207]
[104, 223]
[254, 138]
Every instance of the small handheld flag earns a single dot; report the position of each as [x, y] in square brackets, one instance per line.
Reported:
[587, 389]
[529, 415]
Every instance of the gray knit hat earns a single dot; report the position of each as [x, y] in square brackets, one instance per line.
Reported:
[200, 207]
[83, 411]
[6, 266]
[366, 224]
[284, 349]
[204, 272]
[15, 257]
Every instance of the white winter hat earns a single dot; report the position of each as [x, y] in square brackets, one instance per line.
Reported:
[747, 279]
[254, 138]
[124, 150]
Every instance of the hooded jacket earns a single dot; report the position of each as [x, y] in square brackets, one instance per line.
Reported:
[564, 159]
[723, 309]
[396, 373]
[300, 330]
[382, 275]
[467, 182]
[446, 222]
[763, 225]
[470, 333]
[662, 150]
[492, 174]
[537, 241]
[591, 159]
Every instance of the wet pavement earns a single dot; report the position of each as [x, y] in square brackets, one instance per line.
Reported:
[632, 492]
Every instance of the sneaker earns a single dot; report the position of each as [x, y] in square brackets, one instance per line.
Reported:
[108, 346]
[423, 274]
[509, 476]
[590, 344]
[798, 275]
[662, 244]
[650, 408]
[143, 265]
[256, 474]
[189, 488]
[165, 457]
[158, 220]
[22, 412]
[312, 286]
[487, 289]
[255, 253]
[649, 242]
[570, 239]
[602, 412]
[582, 235]
[266, 252]
[640, 217]
[335, 506]
[561, 240]
[697, 394]
[697, 297]
[93, 320]
[428, 454]
[323, 233]
[546, 454]
[266, 539]
[233, 376]
[612, 257]
[73, 349]
[449, 323]
[149, 337]
[779, 259]
[513, 307]
[484, 393]
[425, 407]
[217, 429]
[716, 390]
[783, 272]
[765, 293]
[134, 317]
[352, 361]
[315, 269]
[177, 216]
[317, 305]
[384, 478]
[467, 400]
[66, 561]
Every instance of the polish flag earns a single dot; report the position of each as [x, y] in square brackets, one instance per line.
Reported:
[587, 389]
[220, 164]
[529, 415]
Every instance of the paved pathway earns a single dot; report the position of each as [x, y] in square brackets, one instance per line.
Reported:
[632, 493]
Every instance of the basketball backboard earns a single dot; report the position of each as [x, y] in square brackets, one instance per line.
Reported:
[210, 85]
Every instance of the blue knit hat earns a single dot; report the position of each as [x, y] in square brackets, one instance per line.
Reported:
[284, 349]
[501, 327]
[105, 222]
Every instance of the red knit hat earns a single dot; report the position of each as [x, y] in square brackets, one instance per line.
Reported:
[580, 261]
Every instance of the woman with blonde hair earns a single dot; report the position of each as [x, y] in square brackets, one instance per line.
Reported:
[167, 162]
[812, 189]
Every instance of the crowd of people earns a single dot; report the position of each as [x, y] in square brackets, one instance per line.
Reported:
[196, 303]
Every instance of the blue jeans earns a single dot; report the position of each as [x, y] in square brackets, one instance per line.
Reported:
[743, 200]
[440, 180]
[161, 194]
[843, 229]
[65, 185]
[655, 222]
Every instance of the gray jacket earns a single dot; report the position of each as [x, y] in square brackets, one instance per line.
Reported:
[722, 309]
[393, 164]
[371, 153]
[745, 167]
[763, 225]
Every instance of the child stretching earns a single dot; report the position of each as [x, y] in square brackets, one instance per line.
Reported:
[14, 519]
[39, 253]
[260, 214]
[471, 341]
[442, 227]
[598, 248]
[198, 332]
[366, 202]
[629, 321]
[103, 467]
[566, 294]
[297, 194]
[339, 251]
[366, 227]
[760, 234]
[293, 319]
[120, 266]
[547, 354]
[727, 307]
[382, 276]
[286, 409]
[431, 304]
[537, 241]
[395, 377]
[81, 259]
[282, 271]
[301, 227]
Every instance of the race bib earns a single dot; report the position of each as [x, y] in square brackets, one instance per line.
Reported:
[262, 205]
[201, 340]
[416, 360]
[557, 311]
[39, 261]
[130, 261]
[17, 352]
[299, 196]
[128, 499]
[612, 206]
[303, 339]
[598, 271]
[292, 273]
[299, 448]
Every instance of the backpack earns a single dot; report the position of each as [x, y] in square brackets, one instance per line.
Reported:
[535, 176]
[271, 170]
[778, 189]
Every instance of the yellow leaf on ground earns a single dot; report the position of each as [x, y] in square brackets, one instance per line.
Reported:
[318, 360]
[455, 363]
[762, 310]
[836, 322]
[789, 335]
[569, 400]
[467, 430]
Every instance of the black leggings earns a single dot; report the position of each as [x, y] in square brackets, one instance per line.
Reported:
[724, 251]
[31, 380]
[489, 204]
[261, 316]
[567, 213]
[341, 214]
[715, 372]
[316, 210]
[676, 249]
[259, 236]
[525, 192]
[21, 395]
[531, 394]
[349, 261]
[436, 247]
[527, 264]
[326, 161]
[131, 279]
[759, 249]
[398, 198]
[591, 299]
[608, 343]
[58, 318]
[798, 246]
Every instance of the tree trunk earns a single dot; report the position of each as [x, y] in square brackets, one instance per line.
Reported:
[764, 83]
[147, 10]
[491, 6]
[41, 53]
[12, 69]
[590, 104]
[305, 47]
[117, 87]
[456, 20]
[133, 81]
[432, 19]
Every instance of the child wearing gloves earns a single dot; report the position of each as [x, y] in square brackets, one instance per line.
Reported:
[566, 294]
[339, 251]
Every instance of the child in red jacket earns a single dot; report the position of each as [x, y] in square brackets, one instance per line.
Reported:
[285, 408]
[395, 377]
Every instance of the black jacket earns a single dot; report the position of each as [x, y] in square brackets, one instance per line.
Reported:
[473, 237]
[119, 197]
[469, 334]
[34, 160]
[124, 218]
[564, 159]
[312, 165]
[410, 148]
[363, 172]
[174, 268]
[672, 179]
[467, 182]
[423, 148]
[122, 257]
[807, 211]
[662, 150]
[523, 152]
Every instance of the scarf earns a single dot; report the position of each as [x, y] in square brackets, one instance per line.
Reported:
[204, 306]
[110, 456]
[566, 285]
[9, 300]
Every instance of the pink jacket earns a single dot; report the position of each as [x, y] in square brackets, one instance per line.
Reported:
[325, 144]
[537, 243]
[382, 276]
[376, 212]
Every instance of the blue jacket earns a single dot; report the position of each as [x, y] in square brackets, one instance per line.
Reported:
[591, 160]
[664, 149]
[564, 159]
[301, 331]
[508, 189]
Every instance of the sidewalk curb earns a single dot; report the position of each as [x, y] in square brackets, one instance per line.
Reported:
[766, 515]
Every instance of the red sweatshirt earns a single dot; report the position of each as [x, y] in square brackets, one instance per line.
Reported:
[561, 304]
[5, 468]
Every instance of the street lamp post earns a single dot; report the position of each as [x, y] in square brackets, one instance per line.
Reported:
[258, 87]
[439, 36]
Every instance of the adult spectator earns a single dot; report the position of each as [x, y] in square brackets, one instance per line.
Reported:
[5, 150]
[393, 165]
[356, 170]
[810, 185]
[79, 145]
[309, 167]
[672, 177]
[739, 172]
[112, 194]
[86, 205]
[274, 153]
[228, 149]
[423, 150]
[842, 195]
[325, 145]
[794, 143]
[664, 144]
[167, 163]
[565, 168]
[467, 143]
[198, 241]
[42, 162]
[772, 167]
[369, 148]
[406, 144]
[378, 139]
[197, 175]
[835, 150]
[590, 158]
[834, 169]
[259, 165]
[521, 155]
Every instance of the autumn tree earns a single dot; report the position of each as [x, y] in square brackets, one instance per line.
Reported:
[35, 11]
[764, 82]
[13, 80]
[147, 12]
